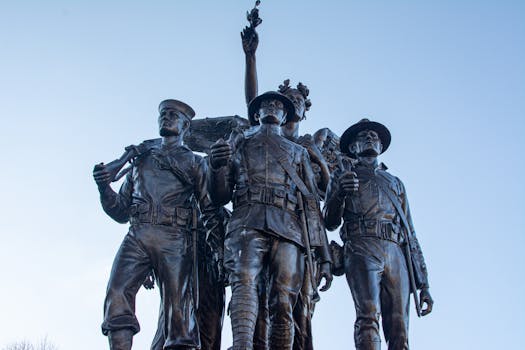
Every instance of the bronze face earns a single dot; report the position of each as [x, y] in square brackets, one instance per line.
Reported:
[172, 122]
[271, 111]
[367, 143]
[298, 101]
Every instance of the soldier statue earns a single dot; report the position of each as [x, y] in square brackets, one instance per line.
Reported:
[272, 186]
[383, 261]
[304, 308]
[158, 198]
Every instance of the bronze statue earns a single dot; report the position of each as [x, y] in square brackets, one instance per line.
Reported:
[210, 313]
[158, 198]
[383, 261]
[304, 308]
[271, 184]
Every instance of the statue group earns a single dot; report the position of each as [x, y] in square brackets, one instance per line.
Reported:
[271, 249]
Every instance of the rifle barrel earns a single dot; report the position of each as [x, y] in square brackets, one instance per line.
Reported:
[306, 239]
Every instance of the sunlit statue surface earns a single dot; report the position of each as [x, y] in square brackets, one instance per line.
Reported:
[383, 261]
[275, 220]
[315, 145]
[159, 197]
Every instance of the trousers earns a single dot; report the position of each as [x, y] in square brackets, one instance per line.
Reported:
[302, 314]
[167, 250]
[210, 314]
[249, 253]
[376, 272]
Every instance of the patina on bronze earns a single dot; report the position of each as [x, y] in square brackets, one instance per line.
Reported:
[158, 198]
[211, 296]
[383, 261]
[264, 235]
[315, 145]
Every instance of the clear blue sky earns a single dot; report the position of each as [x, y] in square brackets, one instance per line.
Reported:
[79, 80]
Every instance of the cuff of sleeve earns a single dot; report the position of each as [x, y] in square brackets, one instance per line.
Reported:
[323, 255]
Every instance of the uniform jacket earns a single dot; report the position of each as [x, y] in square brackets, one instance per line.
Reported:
[371, 213]
[264, 196]
[161, 189]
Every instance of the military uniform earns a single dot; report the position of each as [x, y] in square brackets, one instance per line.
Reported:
[210, 314]
[374, 262]
[264, 232]
[158, 198]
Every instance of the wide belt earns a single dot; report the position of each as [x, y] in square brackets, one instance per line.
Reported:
[383, 229]
[265, 195]
[160, 215]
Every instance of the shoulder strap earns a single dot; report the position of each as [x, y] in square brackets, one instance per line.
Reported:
[185, 176]
[173, 165]
[381, 182]
[281, 157]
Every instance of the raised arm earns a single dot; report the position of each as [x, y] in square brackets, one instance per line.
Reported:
[250, 41]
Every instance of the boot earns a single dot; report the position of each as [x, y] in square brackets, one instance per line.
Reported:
[120, 339]
[281, 336]
[244, 307]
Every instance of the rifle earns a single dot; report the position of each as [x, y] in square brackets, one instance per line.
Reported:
[131, 152]
[303, 191]
[306, 239]
[194, 233]
[204, 132]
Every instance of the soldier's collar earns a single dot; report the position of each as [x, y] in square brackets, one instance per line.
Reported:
[380, 166]
[173, 148]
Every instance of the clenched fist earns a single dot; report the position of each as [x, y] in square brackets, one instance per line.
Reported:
[220, 154]
[348, 184]
[102, 176]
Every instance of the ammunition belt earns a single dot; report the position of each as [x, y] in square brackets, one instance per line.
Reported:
[277, 197]
[170, 216]
[383, 229]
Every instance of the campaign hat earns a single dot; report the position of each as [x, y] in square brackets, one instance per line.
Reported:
[350, 135]
[255, 104]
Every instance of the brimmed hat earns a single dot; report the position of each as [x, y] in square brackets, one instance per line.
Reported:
[255, 104]
[350, 134]
[179, 106]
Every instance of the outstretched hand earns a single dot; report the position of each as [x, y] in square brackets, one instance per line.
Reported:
[425, 298]
[326, 273]
[250, 40]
